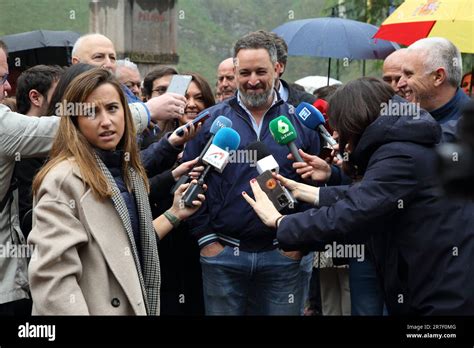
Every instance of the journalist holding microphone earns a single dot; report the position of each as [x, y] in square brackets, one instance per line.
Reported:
[422, 241]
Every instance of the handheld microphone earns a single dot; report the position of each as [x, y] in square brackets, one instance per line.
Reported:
[323, 106]
[219, 122]
[267, 163]
[217, 157]
[265, 160]
[284, 134]
[314, 119]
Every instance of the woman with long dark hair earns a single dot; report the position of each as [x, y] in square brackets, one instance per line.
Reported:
[179, 254]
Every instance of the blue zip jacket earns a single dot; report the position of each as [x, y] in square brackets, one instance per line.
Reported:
[449, 114]
[226, 216]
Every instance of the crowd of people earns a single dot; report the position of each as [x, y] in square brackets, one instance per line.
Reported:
[94, 168]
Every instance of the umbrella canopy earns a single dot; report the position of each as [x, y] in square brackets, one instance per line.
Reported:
[418, 19]
[312, 83]
[334, 37]
[38, 47]
[40, 38]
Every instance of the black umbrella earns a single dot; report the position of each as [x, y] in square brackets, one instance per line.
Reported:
[38, 47]
[39, 39]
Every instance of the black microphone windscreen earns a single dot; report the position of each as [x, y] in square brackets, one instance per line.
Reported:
[260, 148]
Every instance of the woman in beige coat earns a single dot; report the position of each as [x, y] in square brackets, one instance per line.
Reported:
[94, 237]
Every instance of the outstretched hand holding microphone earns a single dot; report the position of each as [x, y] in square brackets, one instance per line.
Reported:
[312, 118]
[308, 166]
[311, 166]
[264, 207]
[185, 173]
[216, 157]
[284, 133]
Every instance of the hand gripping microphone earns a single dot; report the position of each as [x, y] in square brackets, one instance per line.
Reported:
[284, 134]
[219, 122]
[217, 157]
[266, 164]
[313, 119]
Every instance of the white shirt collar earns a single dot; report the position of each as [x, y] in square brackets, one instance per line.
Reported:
[257, 128]
[284, 94]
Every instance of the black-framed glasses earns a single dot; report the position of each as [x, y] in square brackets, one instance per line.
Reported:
[3, 79]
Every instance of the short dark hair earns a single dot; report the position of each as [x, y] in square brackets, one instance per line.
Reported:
[159, 72]
[280, 44]
[353, 107]
[256, 40]
[297, 87]
[325, 92]
[39, 77]
[65, 80]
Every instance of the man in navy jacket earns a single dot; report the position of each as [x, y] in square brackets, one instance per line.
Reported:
[244, 271]
[431, 74]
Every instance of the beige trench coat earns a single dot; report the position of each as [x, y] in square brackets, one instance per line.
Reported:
[83, 262]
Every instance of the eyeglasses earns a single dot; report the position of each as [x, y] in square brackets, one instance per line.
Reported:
[159, 90]
[3, 79]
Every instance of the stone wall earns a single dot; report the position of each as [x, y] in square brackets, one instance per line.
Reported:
[145, 31]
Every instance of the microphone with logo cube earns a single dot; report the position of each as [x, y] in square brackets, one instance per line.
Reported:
[266, 165]
[219, 122]
[312, 118]
[216, 157]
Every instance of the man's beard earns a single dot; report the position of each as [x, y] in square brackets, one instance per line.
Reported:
[255, 100]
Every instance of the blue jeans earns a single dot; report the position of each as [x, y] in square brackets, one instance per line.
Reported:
[366, 292]
[242, 283]
[306, 268]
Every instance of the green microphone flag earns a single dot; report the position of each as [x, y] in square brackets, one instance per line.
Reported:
[285, 134]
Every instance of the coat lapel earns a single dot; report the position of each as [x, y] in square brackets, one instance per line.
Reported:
[150, 258]
[115, 247]
[149, 272]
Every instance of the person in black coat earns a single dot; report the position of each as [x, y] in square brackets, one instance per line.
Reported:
[181, 291]
[422, 242]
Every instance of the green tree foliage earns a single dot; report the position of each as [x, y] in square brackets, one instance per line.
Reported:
[207, 29]
[17, 16]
